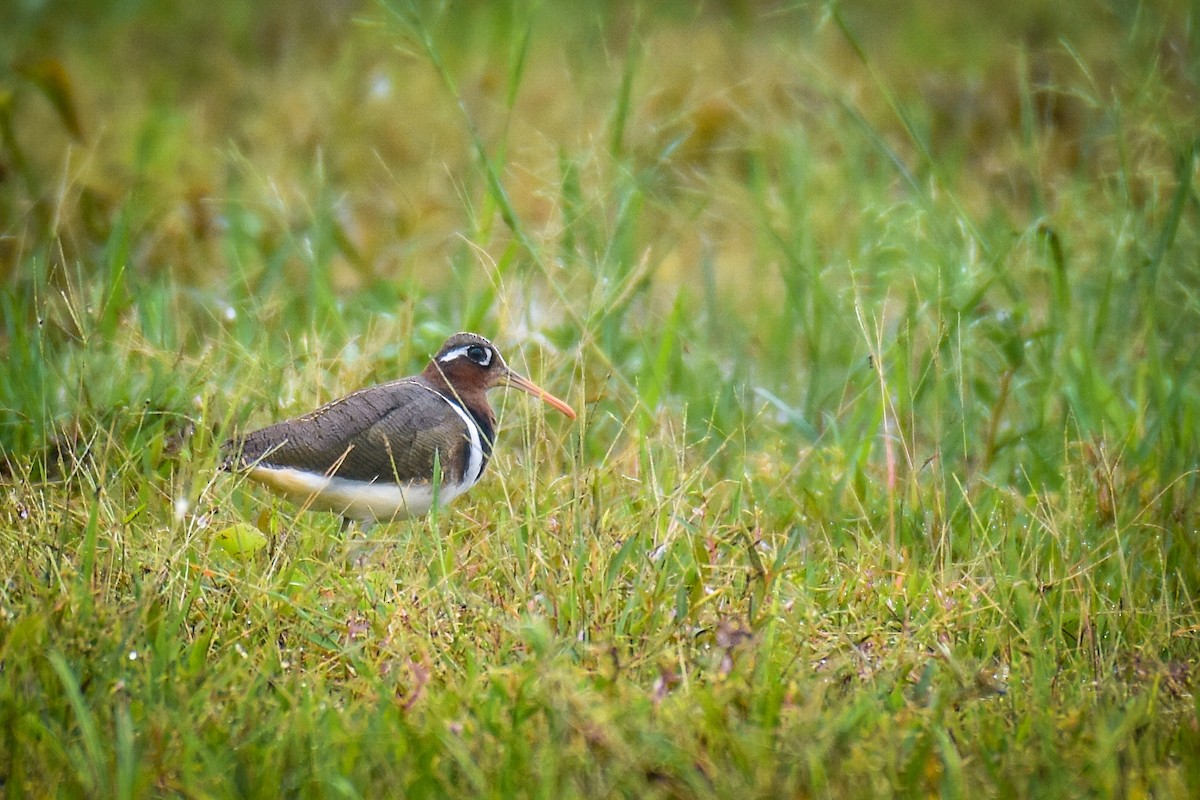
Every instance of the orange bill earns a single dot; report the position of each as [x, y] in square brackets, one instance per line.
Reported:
[526, 385]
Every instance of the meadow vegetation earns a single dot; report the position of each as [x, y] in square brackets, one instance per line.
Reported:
[883, 327]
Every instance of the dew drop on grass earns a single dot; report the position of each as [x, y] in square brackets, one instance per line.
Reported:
[381, 86]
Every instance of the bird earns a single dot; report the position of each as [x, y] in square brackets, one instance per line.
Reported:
[389, 452]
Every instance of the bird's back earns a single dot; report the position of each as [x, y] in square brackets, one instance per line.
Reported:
[393, 432]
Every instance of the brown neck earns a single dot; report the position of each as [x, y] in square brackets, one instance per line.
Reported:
[469, 394]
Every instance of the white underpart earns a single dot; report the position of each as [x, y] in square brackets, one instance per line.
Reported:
[373, 501]
[365, 501]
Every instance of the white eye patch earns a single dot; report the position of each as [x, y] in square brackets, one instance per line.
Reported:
[459, 352]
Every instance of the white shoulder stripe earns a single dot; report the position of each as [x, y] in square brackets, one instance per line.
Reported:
[475, 460]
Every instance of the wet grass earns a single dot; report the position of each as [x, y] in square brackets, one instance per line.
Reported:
[882, 330]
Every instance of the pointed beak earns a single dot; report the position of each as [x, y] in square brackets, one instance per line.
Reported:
[526, 385]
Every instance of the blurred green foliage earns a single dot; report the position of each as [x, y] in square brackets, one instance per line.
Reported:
[883, 325]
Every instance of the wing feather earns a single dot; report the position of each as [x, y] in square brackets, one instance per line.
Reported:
[387, 433]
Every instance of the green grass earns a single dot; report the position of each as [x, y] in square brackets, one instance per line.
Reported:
[882, 328]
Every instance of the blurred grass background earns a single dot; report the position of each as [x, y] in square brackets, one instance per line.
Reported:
[883, 322]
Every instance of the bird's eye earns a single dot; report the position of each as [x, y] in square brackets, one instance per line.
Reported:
[479, 355]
